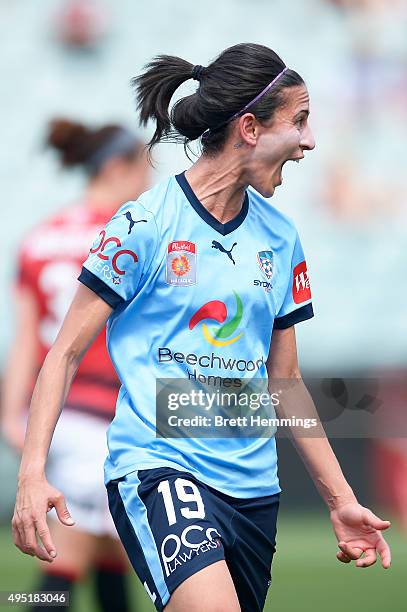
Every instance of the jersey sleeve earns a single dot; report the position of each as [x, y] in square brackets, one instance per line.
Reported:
[296, 305]
[24, 277]
[121, 255]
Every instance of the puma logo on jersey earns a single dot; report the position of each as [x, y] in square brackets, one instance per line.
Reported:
[132, 222]
[217, 245]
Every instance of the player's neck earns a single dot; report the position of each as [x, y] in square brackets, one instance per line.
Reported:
[217, 185]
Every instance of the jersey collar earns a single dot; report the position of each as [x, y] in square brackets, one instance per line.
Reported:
[222, 228]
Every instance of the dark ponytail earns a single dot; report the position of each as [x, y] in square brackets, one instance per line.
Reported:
[70, 139]
[155, 88]
[232, 80]
[79, 145]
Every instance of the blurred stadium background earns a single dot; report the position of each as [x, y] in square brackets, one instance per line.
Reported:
[348, 198]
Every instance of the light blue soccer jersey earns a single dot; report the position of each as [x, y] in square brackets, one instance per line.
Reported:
[172, 273]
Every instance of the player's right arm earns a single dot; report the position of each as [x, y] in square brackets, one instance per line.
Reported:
[85, 319]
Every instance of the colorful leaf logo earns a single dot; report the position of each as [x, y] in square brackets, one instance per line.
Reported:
[217, 311]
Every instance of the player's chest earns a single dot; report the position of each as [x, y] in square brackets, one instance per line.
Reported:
[213, 268]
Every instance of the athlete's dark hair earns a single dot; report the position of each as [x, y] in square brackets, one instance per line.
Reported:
[232, 80]
[79, 145]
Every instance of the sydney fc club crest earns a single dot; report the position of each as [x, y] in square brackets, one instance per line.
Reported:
[181, 263]
[265, 259]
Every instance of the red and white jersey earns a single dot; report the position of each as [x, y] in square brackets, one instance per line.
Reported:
[50, 262]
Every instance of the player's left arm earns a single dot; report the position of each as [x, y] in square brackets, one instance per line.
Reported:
[358, 530]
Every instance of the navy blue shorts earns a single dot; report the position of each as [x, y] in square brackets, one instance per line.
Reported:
[172, 525]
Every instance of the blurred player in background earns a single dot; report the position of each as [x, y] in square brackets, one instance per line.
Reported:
[49, 263]
[388, 451]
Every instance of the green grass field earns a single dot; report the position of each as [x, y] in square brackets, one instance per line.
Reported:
[306, 574]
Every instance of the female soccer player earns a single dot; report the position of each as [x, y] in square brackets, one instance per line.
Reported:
[49, 262]
[197, 516]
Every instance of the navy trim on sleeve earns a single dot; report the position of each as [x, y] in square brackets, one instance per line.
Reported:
[296, 316]
[94, 283]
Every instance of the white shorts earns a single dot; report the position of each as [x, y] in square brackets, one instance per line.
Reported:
[75, 467]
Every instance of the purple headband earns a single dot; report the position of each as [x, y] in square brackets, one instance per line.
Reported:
[249, 104]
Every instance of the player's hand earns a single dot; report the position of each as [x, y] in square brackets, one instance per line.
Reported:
[359, 534]
[36, 497]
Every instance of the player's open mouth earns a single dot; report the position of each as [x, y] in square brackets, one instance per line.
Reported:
[295, 159]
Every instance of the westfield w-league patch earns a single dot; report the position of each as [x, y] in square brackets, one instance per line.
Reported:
[181, 263]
